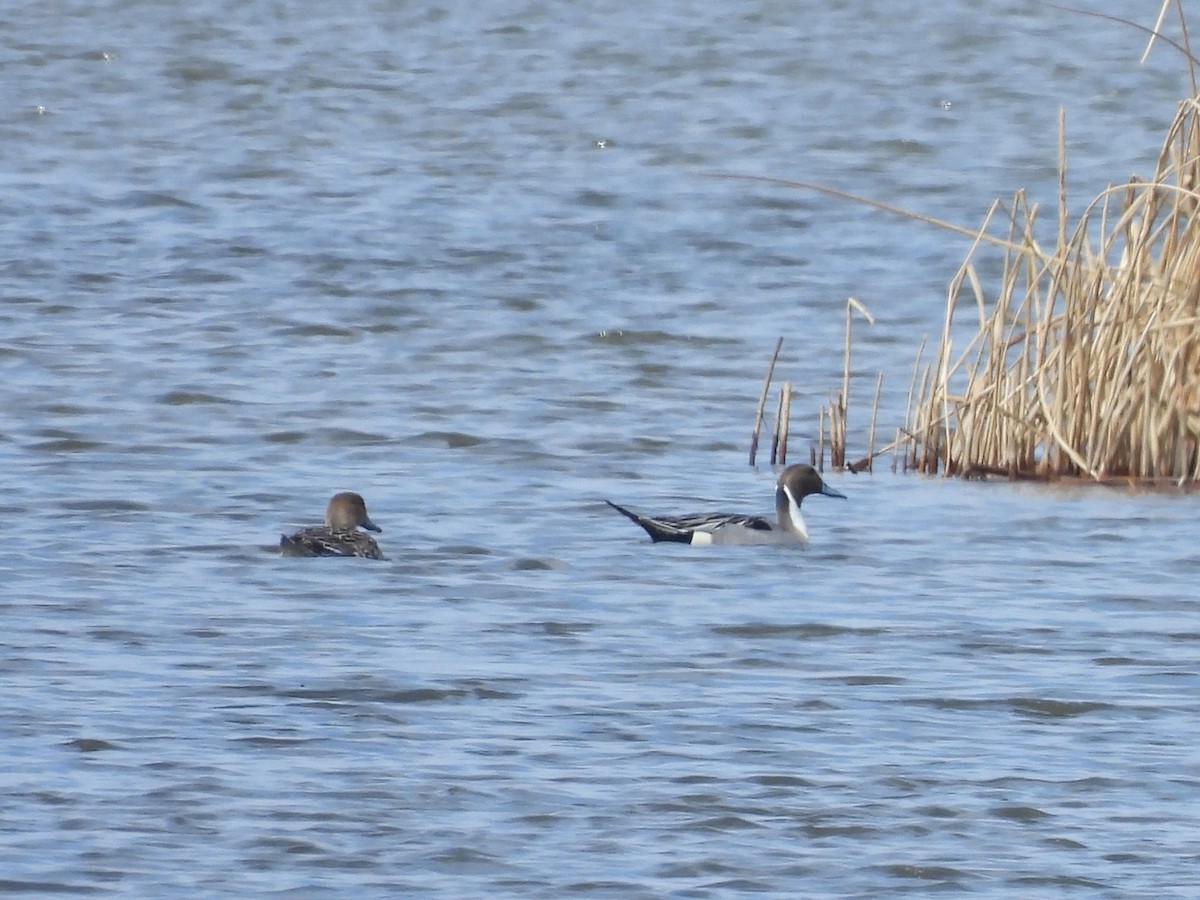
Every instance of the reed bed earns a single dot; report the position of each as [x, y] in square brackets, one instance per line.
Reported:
[1086, 363]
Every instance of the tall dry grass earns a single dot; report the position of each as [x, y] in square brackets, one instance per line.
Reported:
[1086, 362]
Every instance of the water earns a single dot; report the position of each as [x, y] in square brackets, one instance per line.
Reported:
[469, 261]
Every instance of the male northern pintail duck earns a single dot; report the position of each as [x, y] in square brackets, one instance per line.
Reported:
[795, 483]
[339, 536]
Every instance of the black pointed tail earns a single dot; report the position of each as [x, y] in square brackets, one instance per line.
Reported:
[658, 531]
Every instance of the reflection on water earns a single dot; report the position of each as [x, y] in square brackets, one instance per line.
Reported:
[468, 264]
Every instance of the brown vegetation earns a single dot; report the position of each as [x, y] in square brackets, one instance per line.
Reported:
[1087, 361]
[1085, 358]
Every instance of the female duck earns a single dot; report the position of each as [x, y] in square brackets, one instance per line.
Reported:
[795, 483]
[339, 536]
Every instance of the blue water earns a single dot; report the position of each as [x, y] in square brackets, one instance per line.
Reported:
[472, 262]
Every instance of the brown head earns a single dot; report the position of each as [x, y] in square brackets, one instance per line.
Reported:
[795, 483]
[347, 511]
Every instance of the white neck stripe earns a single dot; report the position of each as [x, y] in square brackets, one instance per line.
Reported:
[798, 525]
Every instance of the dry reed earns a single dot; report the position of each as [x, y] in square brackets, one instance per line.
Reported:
[837, 411]
[762, 401]
[1087, 361]
[839, 405]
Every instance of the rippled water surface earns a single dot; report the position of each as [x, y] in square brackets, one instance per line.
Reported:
[471, 262]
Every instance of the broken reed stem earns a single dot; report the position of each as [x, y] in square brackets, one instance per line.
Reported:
[910, 452]
[839, 408]
[820, 461]
[775, 431]
[762, 401]
[846, 358]
[874, 418]
[837, 434]
[785, 407]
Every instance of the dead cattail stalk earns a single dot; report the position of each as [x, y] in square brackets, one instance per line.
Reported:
[837, 432]
[839, 406]
[762, 401]
[820, 461]
[775, 431]
[874, 419]
[785, 417]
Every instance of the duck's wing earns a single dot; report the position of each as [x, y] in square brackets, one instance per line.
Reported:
[299, 544]
[359, 543]
[684, 529]
[713, 522]
[321, 541]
